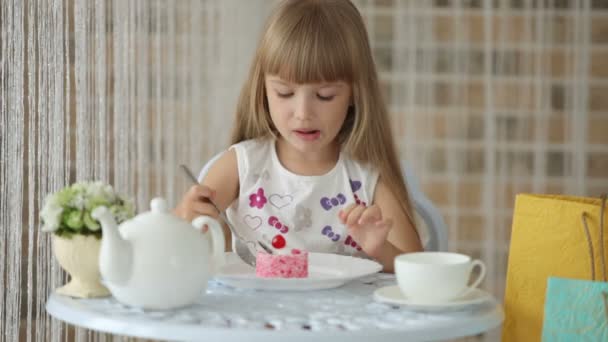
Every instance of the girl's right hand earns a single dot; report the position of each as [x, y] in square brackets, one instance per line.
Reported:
[196, 202]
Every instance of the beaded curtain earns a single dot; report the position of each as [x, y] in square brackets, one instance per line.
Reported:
[488, 98]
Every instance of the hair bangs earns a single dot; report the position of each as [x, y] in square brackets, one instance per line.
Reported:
[313, 51]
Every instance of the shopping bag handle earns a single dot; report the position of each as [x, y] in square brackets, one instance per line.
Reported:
[590, 243]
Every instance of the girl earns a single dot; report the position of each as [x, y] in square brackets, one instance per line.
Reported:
[312, 156]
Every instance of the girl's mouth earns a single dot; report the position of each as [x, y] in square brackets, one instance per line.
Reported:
[308, 135]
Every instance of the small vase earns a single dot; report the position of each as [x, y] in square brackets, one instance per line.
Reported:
[79, 256]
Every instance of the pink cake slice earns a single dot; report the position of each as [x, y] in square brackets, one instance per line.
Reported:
[282, 265]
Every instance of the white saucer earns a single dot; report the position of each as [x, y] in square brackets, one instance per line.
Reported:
[392, 295]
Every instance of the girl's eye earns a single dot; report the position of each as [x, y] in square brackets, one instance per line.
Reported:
[325, 98]
[284, 95]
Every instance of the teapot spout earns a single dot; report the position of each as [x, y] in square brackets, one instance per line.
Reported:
[115, 254]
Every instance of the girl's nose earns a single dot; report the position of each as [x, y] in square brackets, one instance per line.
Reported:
[303, 110]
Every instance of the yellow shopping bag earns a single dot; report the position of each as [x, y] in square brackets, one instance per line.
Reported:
[576, 309]
[547, 240]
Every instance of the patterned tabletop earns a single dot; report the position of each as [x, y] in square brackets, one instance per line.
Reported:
[347, 313]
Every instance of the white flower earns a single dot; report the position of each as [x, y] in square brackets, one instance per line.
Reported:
[109, 192]
[68, 211]
[95, 189]
[78, 201]
[51, 214]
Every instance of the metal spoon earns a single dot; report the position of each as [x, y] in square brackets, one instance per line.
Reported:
[241, 243]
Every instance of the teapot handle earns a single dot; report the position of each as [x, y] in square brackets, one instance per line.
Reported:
[217, 239]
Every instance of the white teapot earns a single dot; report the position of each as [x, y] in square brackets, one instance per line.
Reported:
[156, 260]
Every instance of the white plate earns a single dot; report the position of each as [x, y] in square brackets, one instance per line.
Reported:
[324, 271]
[392, 295]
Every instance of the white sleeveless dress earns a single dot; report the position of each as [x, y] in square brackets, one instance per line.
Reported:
[274, 201]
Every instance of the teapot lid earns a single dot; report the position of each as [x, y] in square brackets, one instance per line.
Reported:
[158, 216]
[159, 205]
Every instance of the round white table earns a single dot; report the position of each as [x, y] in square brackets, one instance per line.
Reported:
[348, 313]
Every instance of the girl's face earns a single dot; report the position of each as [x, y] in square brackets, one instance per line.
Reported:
[308, 116]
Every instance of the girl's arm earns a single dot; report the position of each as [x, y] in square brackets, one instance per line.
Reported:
[382, 229]
[223, 178]
[402, 238]
[221, 184]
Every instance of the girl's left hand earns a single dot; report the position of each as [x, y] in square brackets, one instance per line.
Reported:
[366, 226]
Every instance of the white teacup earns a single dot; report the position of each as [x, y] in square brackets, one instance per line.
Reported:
[436, 277]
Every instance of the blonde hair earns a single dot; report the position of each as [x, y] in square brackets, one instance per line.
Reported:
[308, 41]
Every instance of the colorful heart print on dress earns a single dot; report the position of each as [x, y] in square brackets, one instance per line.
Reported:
[327, 231]
[274, 221]
[253, 222]
[280, 201]
[328, 203]
[354, 185]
